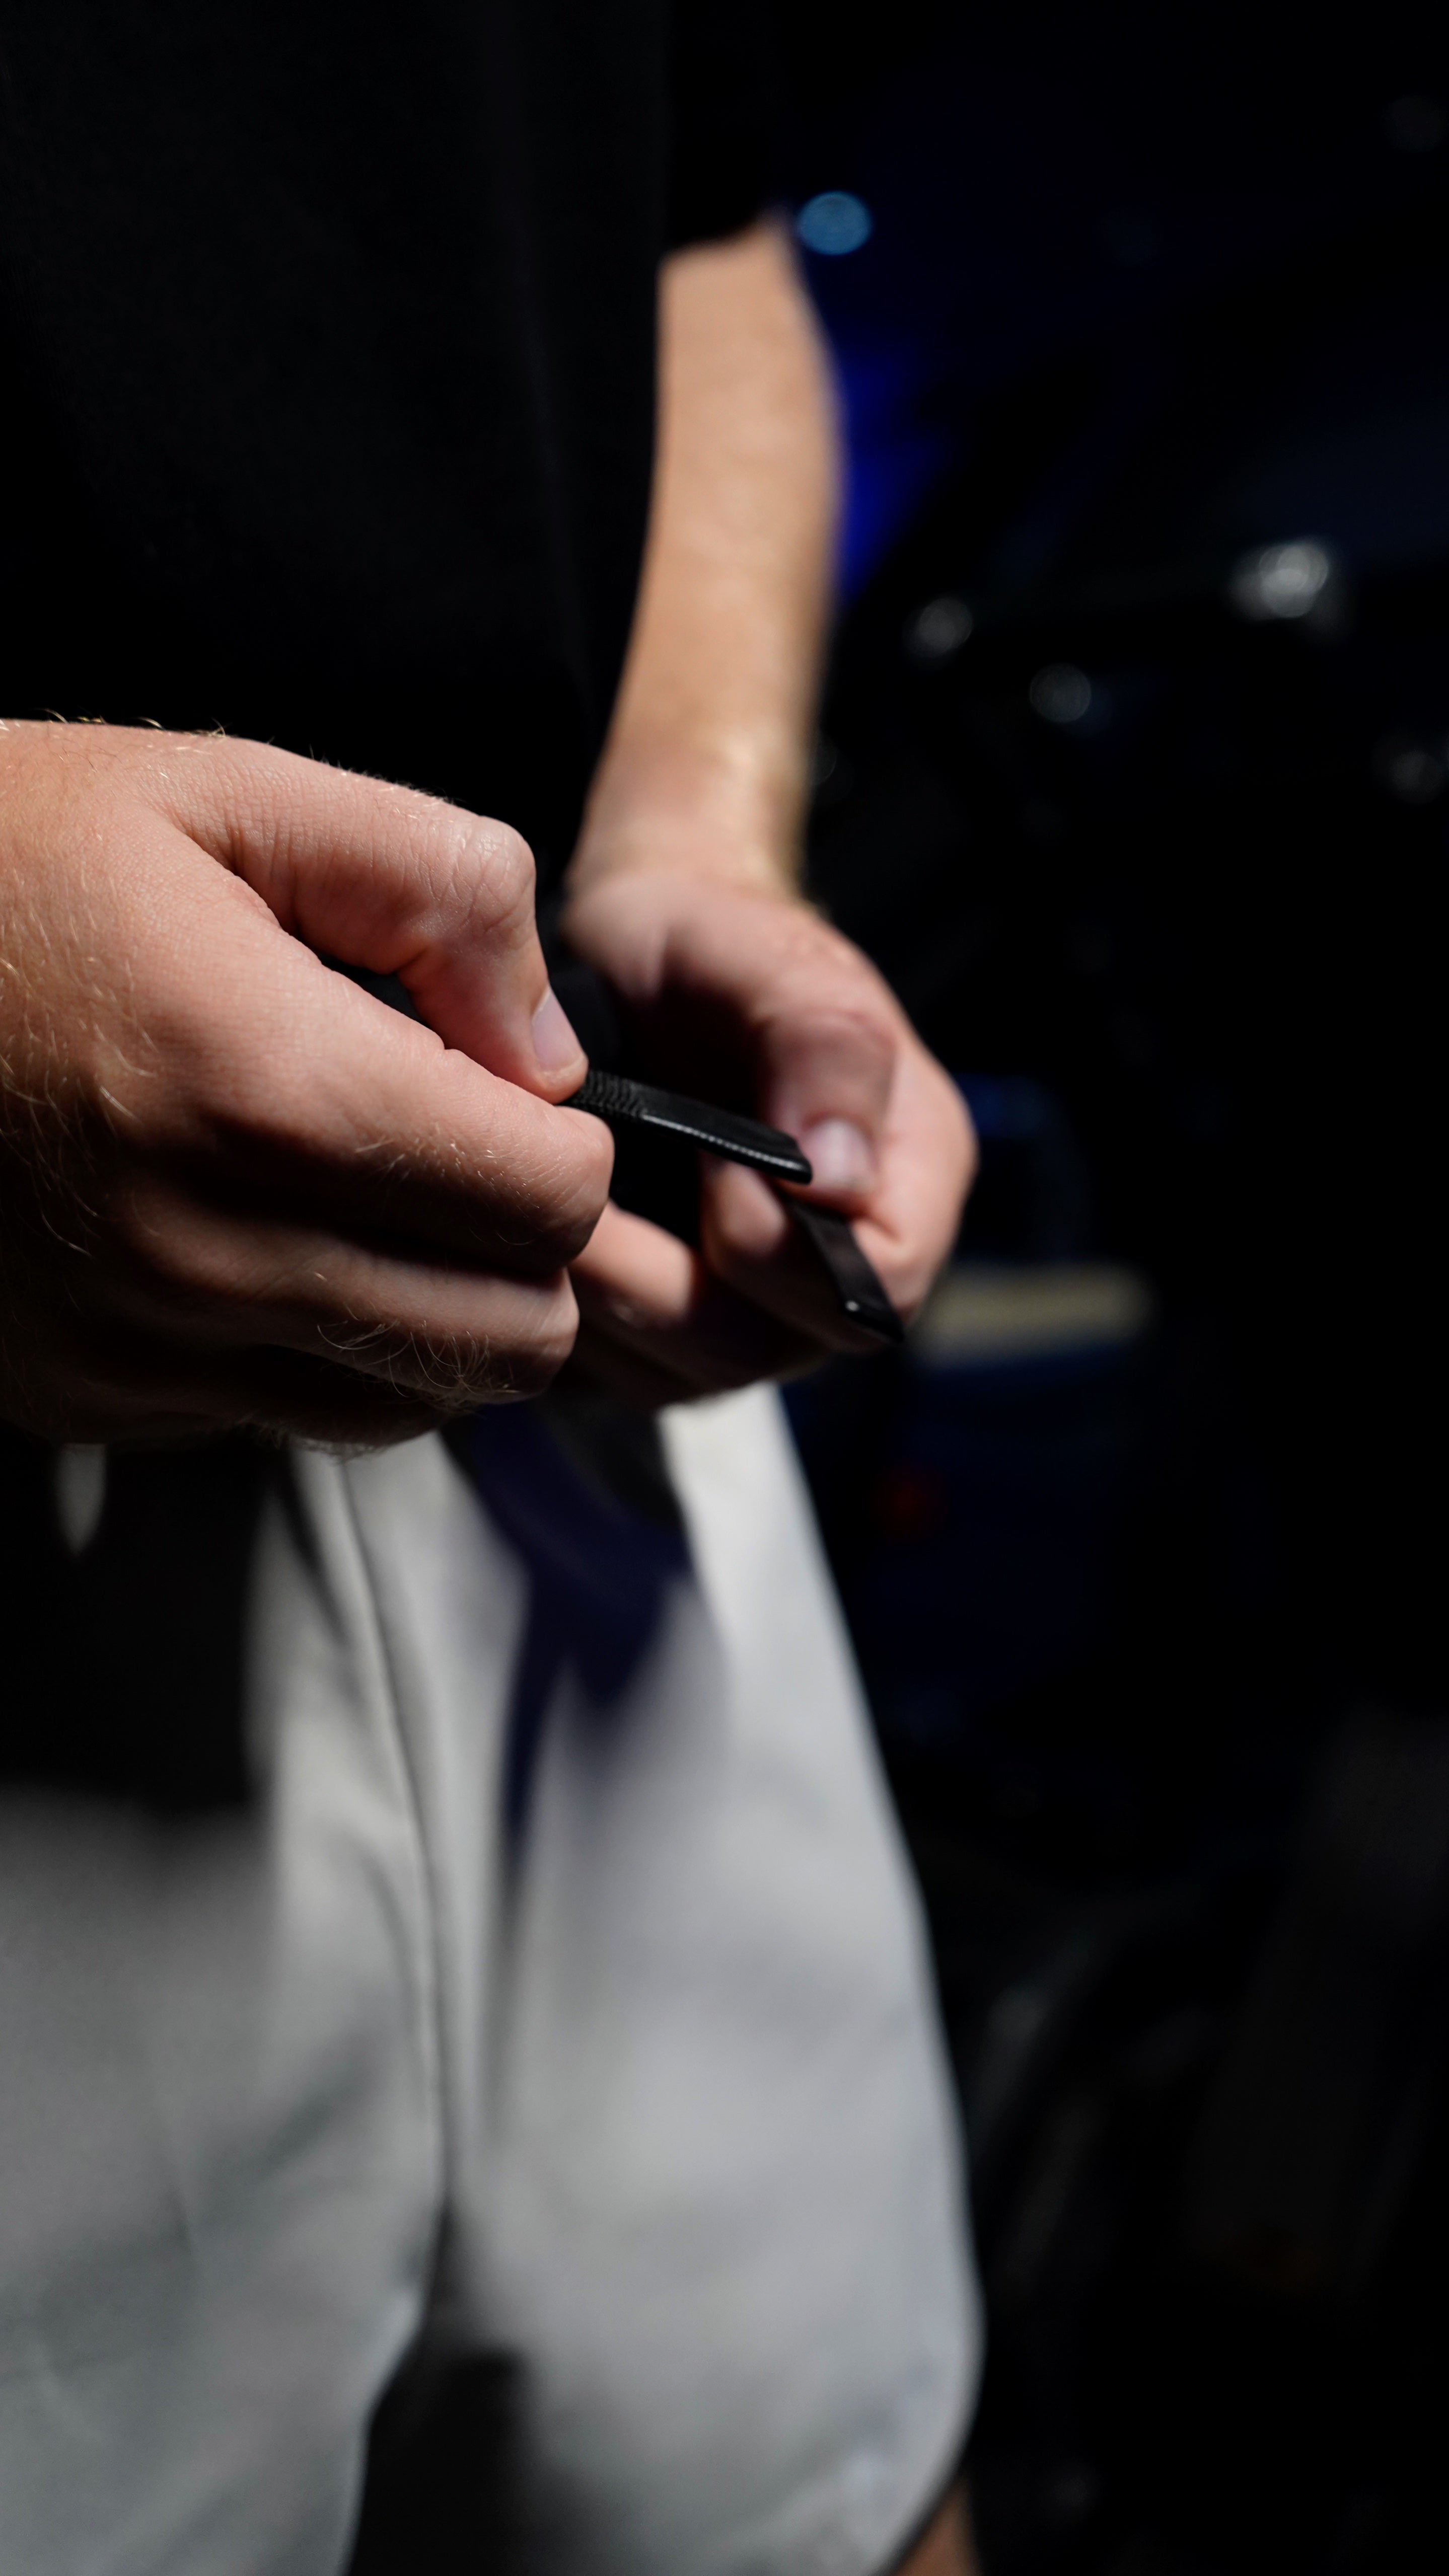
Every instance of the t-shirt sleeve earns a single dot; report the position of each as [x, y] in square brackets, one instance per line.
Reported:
[724, 95]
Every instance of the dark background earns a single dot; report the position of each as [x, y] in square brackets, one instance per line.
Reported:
[1151, 1615]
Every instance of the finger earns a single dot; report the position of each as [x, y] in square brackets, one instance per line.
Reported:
[452, 1335]
[383, 877]
[906, 1226]
[928, 1159]
[665, 1308]
[134, 1389]
[748, 1239]
[288, 1086]
[817, 1024]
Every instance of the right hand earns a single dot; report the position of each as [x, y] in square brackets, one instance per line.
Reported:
[235, 1188]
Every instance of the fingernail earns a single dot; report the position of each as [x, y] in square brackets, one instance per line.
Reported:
[840, 1154]
[554, 1042]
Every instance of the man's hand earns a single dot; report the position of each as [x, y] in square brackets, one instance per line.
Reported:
[750, 997]
[233, 1186]
[682, 884]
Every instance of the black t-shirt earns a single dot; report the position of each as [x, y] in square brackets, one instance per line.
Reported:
[326, 410]
[326, 364]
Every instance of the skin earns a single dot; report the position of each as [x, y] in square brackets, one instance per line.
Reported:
[685, 885]
[948, 2548]
[233, 1187]
[236, 1189]
[685, 889]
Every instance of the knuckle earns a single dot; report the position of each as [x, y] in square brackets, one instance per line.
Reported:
[816, 942]
[249, 1110]
[166, 1250]
[487, 872]
[571, 1190]
[825, 985]
[841, 1028]
[245, 1128]
[536, 1362]
[854, 1021]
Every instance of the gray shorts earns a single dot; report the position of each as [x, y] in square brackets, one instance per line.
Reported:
[624, 2069]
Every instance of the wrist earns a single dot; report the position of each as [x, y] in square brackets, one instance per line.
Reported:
[729, 816]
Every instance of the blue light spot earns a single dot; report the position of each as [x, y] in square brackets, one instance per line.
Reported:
[834, 224]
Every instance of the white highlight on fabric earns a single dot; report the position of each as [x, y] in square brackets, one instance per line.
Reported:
[80, 1494]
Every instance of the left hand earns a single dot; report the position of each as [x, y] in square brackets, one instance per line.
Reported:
[748, 996]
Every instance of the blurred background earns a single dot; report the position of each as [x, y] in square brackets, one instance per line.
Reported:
[1133, 776]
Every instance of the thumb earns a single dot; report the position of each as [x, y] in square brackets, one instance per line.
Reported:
[828, 1074]
[385, 878]
[821, 1031]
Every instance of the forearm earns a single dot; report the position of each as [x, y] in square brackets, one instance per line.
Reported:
[689, 856]
[707, 763]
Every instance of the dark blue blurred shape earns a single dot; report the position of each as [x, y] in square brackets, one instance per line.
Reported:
[1061, 182]
[998, 1517]
[997, 1498]
[1137, 788]
[834, 224]
[599, 1571]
